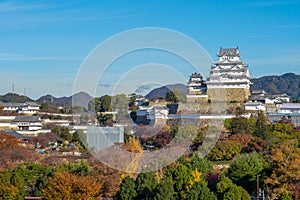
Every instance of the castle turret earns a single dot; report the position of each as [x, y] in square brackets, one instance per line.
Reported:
[196, 85]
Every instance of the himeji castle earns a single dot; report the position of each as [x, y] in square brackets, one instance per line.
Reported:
[229, 74]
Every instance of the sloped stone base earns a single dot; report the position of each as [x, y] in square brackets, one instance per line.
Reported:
[228, 94]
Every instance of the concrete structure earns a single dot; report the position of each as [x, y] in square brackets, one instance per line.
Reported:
[229, 76]
[102, 137]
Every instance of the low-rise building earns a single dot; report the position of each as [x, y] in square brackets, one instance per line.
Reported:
[153, 112]
[23, 108]
[30, 123]
[290, 108]
[254, 106]
[263, 97]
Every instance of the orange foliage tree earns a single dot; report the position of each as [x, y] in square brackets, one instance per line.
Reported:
[66, 186]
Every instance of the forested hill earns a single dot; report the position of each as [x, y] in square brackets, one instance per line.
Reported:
[14, 98]
[287, 83]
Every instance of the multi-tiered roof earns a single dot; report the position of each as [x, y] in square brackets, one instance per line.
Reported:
[229, 71]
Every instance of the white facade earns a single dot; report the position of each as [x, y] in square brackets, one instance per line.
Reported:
[30, 123]
[229, 71]
[153, 112]
[254, 106]
[196, 85]
[290, 108]
[24, 108]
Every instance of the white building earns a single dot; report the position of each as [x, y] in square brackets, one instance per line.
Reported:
[264, 97]
[153, 112]
[196, 85]
[230, 74]
[30, 123]
[290, 108]
[24, 108]
[254, 106]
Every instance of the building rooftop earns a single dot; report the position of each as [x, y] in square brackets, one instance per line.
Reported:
[228, 52]
[27, 119]
[291, 105]
[27, 103]
[15, 134]
[195, 75]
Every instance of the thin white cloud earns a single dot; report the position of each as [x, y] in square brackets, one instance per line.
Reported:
[16, 57]
[11, 6]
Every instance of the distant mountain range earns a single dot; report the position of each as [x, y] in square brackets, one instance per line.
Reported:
[287, 83]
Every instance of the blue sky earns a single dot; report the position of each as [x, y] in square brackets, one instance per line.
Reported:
[43, 43]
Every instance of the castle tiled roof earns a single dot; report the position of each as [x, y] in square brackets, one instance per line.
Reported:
[229, 52]
[27, 119]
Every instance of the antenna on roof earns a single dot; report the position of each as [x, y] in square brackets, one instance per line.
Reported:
[13, 88]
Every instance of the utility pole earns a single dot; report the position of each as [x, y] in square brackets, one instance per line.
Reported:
[257, 187]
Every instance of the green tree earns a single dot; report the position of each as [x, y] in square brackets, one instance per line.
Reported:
[240, 125]
[105, 103]
[165, 190]
[94, 105]
[119, 102]
[76, 136]
[244, 170]
[280, 129]
[200, 191]
[127, 189]
[224, 150]
[145, 185]
[202, 164]
[105, 119]
[228, 190]
[171, 97]
[181, 176]
[261, 127]
[62, 132]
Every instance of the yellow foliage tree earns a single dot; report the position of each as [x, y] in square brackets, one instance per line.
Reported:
[132, 145]
[196, 177]
[285, 160]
